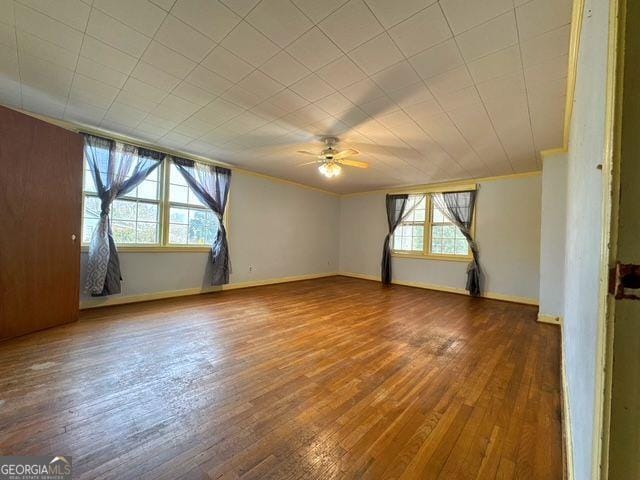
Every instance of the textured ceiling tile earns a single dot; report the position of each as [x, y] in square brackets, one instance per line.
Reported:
[422, 31]
[420, 104]
[209, 17]
[314, 49]
[279, 20]
[250, 45]
[351, 25]
[392, 12]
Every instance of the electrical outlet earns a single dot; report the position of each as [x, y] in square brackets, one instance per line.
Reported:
[250, 268]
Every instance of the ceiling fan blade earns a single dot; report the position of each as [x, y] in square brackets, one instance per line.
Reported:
[304, 152]
[345, 153]
[307, 163]
[354, 163]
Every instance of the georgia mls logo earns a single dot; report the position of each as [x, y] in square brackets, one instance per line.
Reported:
[35, 468]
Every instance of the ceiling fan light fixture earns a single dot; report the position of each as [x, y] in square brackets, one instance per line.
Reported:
[330, 169]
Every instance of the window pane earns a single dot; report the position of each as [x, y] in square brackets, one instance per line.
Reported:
[147, 212]
[193, 199]
[148, 189]
[201, 228]
[175, 177]
[179, 215]
[178, 233]
[124, 231]
[418, 243]
[89, 184]
[397, 242]
[146, 232]
[123, 210]
[448, 246]
[91, 207]
[448, 231]
[438, 217]
[436, 245]
[462, 247]
[87, 229]
[179, 194]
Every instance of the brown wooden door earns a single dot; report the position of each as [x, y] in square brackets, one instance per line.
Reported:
[40, 213]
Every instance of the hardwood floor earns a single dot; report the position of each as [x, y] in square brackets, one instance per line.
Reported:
[328, 378]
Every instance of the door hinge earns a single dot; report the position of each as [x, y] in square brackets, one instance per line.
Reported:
[624, 281]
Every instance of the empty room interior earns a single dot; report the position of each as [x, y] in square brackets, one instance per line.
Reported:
[319, 239]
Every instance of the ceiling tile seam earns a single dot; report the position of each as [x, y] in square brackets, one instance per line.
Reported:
[205, 67]
[526, 92]
[101, 10]
[216, 44]
[429, 89]
[245, 109]
[484, 106]
[75, 69]
[135, 66]
[45, 14]
[423, 81]
[466, 66]
[160, 6]
[280, 49]
[344, 2]
[287, 88]
[404, 19]
[367, 76]
[205, 34]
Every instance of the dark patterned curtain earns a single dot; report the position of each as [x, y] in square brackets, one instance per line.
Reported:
[211, 185]
[116, 168]
[458, 208]
[396, 205]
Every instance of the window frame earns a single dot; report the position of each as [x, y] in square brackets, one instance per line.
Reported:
[164, 206]
[426, 253]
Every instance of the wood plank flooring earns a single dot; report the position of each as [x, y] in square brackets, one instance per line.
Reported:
[322, 379]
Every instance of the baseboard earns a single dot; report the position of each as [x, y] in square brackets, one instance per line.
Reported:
[552, 319]
[567, 439]
[146, 297]
[445, 288]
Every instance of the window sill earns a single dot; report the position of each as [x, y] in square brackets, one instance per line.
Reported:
[446, 258]
[158, 249]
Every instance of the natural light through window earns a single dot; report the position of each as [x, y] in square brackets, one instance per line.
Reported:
[134, 218]
[427, 232]
[190, 222]
[147, 217]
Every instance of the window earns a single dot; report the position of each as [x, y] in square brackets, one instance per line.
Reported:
[427, 232]
[446, 238]
[146, 217]
[190, 222]
[409, 236]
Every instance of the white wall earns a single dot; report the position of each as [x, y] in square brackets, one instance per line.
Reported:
[279, 229]
[584, 235]
[507, 232]
[552, 235]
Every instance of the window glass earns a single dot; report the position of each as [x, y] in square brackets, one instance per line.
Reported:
[446, 238]
[428, 232]
[190, 222]
[137, 218]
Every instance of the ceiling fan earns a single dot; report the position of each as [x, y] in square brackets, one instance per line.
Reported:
[330, 160]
